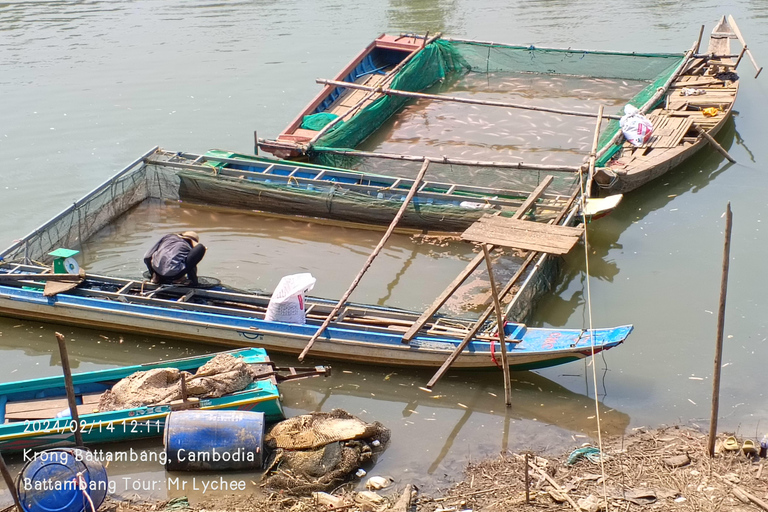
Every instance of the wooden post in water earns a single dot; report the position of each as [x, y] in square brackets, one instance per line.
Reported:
[720, 327]
[9, 482]
[70, 388]
[500, 329]
[376, 251]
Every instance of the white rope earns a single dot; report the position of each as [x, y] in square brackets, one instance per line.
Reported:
[83, 485]
[582, 200]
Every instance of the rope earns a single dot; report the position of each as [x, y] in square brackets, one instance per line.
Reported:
[592, 336]
[83, 485]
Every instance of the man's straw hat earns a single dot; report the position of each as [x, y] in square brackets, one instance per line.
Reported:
[191, 235]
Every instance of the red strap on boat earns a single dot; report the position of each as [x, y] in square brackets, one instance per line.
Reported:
[493, 354]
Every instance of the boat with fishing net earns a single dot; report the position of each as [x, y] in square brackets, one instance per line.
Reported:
[471, 106]
[133, 402]
[227, 317]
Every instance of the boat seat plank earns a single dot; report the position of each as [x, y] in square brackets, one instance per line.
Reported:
[48, 407]
[44, 414]
[46, 403]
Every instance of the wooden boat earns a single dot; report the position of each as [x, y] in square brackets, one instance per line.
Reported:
[366, 334]
[686, 115]
[376, 65]
[286, 187]
[29, 408]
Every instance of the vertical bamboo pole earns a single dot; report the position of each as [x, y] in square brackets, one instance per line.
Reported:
[9, 482]
[70, 388]
[500, 329]
[527, 481]
[720, 327]
[698, 41]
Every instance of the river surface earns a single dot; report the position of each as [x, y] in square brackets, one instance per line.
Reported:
[88, 86]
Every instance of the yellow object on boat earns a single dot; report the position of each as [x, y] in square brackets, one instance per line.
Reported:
[710, 111]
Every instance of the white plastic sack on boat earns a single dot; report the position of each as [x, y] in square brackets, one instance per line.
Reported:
[635, 126]
[287, 302]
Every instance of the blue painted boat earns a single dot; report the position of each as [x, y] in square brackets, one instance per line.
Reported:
[359, 333]
[28, 409]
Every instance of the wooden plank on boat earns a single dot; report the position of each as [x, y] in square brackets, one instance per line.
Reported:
[48, 407]
[506, 232]
[54, 287]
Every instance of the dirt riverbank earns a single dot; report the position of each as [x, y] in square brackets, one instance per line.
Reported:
[663, 469]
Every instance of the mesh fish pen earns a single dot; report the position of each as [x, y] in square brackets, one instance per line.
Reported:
[447, 65]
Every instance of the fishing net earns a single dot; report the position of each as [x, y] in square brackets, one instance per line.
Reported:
[485, 71]
[221, 375]
[320, 451]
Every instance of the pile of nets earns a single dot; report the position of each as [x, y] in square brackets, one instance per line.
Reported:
[320, 451]
[221, 375]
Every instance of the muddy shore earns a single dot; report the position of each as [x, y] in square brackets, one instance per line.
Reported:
[662, 469]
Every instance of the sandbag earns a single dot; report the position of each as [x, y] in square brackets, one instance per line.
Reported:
[287, 301]
[222, 375]
[637, 128]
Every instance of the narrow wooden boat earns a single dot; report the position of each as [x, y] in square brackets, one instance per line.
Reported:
[376, 65]
[286, 187]
[31, 409]
[689, 111]
[358, 333]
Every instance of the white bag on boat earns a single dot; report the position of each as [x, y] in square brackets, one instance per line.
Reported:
[635, 126]
[287, 302]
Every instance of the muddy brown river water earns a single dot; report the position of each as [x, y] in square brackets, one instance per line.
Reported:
[86, 87]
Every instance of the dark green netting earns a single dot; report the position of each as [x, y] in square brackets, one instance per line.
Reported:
[487, 58]
[430, 65]
[318, 121]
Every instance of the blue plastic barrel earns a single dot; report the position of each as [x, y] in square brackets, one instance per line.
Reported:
[214, 440]
[50, 482]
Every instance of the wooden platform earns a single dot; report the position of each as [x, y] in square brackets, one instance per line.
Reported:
[523, 234]
[47, 408]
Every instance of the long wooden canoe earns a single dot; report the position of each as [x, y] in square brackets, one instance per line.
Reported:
[233, 180]
[30, 409]
[358, 333]
[375, 65]
[692, 109]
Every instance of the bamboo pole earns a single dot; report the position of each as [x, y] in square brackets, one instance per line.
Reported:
[10, 484]
[452, 161]
[720, 327]
[455, 99]
[698, 41]
[367, 97]
[592, 158]
[370, 259]
[735, 27]
[499, 329]
[720, 149]
[70, 388]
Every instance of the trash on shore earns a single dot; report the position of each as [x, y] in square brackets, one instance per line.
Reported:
[320, 451]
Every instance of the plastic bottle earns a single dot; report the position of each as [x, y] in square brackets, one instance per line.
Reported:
[764, 447]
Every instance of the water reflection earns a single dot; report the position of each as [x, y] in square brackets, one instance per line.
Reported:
[418, 16]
